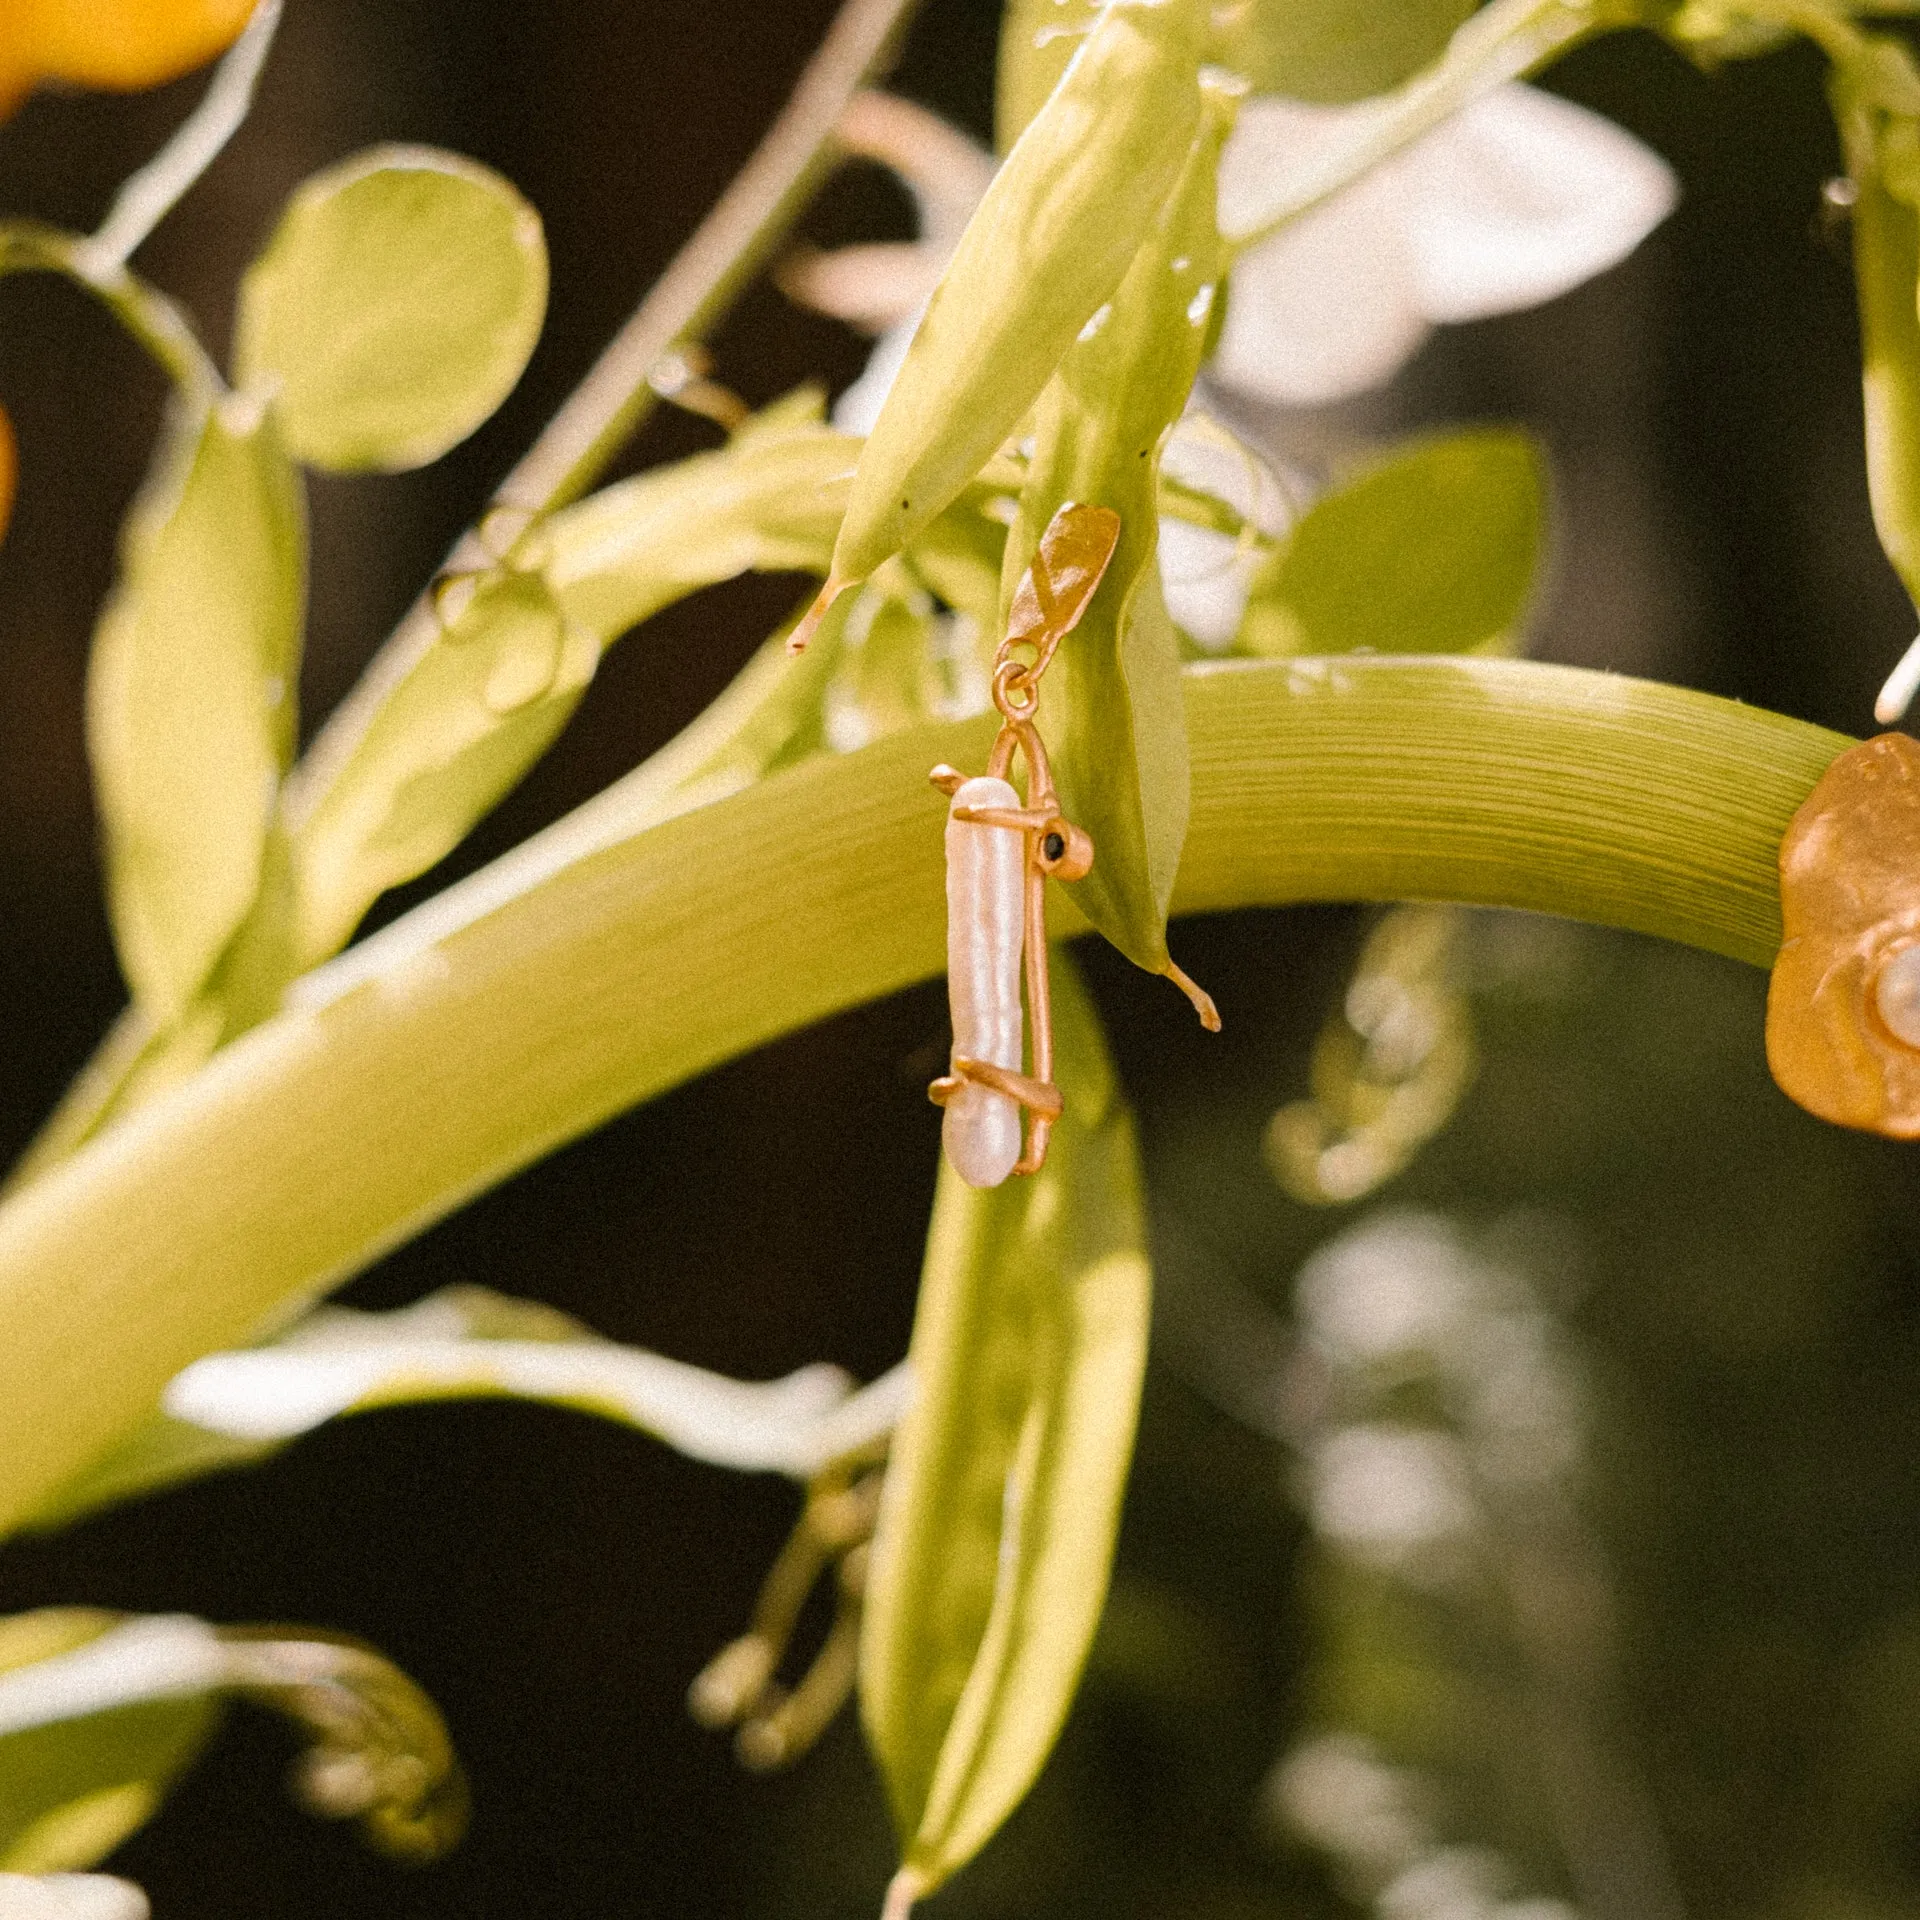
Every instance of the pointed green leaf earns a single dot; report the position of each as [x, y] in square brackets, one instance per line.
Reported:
[1110, 705]
[1002, 1501]
[72, 1791]
[1056, 232]
[1038, 38]
[190, 696]
[1437, 549]
[394, 308]
[1334, 50]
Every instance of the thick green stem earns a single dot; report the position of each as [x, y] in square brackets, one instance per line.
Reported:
[600, 966]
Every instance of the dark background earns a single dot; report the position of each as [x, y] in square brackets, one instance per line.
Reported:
[1747, 1295]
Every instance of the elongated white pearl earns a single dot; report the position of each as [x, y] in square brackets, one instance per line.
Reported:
[986, 875]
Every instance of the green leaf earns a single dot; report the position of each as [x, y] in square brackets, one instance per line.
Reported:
[1037, 40]
[457, 728]
[1052, 239]
[1110, 706]
[1435, 550]
[1002, 1501]
[1334, 50]
[190, 696]
[72, 1791]
[394, 308]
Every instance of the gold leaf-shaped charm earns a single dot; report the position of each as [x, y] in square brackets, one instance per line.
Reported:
[1843, 1009]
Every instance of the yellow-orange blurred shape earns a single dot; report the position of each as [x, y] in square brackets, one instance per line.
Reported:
[120, 45]
[9, 470]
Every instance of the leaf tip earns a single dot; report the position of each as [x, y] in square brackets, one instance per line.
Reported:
[810, 620]
[1202, 1000]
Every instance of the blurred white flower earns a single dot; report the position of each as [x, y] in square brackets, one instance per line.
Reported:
[1207, 576]
[1398, 1283]
[69, 1896]
[1515, 200]
[1386, 1494]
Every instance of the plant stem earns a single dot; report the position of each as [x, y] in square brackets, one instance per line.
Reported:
[152, 319]
[459, 1045]
[701, 282]
[152, 193]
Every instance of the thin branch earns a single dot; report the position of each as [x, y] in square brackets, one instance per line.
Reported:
[701, 282]
[152, 193]
[153, 320]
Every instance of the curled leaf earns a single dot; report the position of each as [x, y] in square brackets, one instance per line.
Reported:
[86, 1697]
[1389, 1068]
[1057, 230]
[190, 693]
[1002, 1499]
[394, 308]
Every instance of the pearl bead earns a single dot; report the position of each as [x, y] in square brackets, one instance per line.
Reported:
[986, 921]
[1896, 996]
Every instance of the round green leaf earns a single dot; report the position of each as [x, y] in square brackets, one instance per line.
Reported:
[1433, 551]
[394, 308]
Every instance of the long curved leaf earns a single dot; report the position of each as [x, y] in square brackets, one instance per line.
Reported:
[1002, 1500]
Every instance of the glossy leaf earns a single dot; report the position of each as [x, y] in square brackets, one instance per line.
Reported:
[459, 726]
[237, 1408]
[1435, 550]
[1038, 38]
[1334, 50]
[1110, 705]
[72, 1791]
[394, 308]
[1003, 1497]
[1059, 227]
[190, 697]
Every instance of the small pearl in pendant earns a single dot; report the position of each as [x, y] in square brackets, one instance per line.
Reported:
[1896, 996]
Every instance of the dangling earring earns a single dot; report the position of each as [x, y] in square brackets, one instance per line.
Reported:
[1000, 851]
